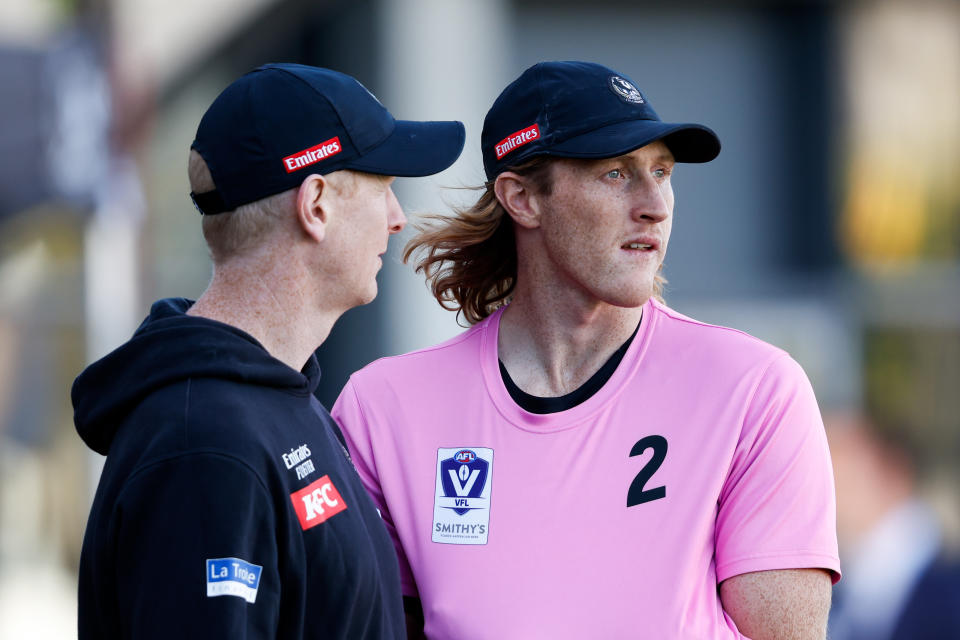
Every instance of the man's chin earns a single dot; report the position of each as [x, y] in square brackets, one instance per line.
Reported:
[369, 296]
[631, 299]
[633, 303]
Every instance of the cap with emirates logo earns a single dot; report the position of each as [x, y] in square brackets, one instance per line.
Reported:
[581, 110]
[279, 123]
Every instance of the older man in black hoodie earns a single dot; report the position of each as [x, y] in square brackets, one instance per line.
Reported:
[228, 507]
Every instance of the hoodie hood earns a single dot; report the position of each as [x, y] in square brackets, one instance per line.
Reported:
[169, 347]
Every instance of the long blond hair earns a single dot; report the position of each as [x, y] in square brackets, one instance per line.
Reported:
[470, 258]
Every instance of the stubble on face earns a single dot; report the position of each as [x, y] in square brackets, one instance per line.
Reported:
[598, 221]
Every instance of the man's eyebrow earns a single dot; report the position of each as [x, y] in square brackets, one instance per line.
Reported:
[664, 156]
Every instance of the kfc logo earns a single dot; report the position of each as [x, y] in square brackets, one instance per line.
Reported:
[317, 502]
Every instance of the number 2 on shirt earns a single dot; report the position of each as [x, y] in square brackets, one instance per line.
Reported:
[637, 494]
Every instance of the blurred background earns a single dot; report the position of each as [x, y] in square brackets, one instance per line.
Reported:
[829, 225]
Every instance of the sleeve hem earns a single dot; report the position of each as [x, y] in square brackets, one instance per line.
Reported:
[772, 562]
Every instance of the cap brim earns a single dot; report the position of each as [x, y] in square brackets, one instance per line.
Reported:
[687, 142]
[414, 149]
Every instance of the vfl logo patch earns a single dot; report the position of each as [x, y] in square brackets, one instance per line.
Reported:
[313, 155]
[461, 507]
[317, 502]
[517, 139]
[233, 577]
[625, 90]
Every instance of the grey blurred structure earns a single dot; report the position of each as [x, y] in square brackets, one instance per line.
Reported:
[829, 225]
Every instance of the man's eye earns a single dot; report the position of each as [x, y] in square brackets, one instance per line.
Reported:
[614, 174]
[659, 174]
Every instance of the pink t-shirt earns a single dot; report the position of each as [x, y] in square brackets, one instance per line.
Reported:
[701, 458]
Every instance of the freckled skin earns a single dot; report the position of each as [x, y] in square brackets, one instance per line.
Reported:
[594, 208]
[580, 287]
[579, 296]
[323, 260]
[779, 605]
[365, 214]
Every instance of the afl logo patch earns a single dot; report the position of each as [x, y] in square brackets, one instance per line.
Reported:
[465, 456]
[625, 90]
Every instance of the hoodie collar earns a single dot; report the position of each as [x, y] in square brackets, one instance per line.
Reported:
[169, 347]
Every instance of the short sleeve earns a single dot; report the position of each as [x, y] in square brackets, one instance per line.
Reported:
[777, 509]
[196, 553]
[348, 413]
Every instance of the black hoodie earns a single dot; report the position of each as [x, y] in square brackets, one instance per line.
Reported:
[227, 507]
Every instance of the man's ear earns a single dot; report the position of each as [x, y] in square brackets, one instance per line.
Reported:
[314, 202]
[518, 197]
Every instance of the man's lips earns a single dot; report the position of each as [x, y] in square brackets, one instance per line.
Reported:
[644, 243]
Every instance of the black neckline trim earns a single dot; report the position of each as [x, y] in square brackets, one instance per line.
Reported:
[542, 405]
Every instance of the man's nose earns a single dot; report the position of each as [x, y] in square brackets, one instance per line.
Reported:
[650, 201]
[396, 220]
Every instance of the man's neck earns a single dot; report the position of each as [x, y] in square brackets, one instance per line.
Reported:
[270, 303]
[551, 348]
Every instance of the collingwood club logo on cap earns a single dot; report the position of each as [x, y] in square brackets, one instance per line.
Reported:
[314, 154]
[517, 139]
[625, 90]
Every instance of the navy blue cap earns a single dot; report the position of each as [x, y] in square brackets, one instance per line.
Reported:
[280, 123]
[581, 110]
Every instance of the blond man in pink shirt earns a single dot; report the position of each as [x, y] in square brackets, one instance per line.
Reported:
[585, 462]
